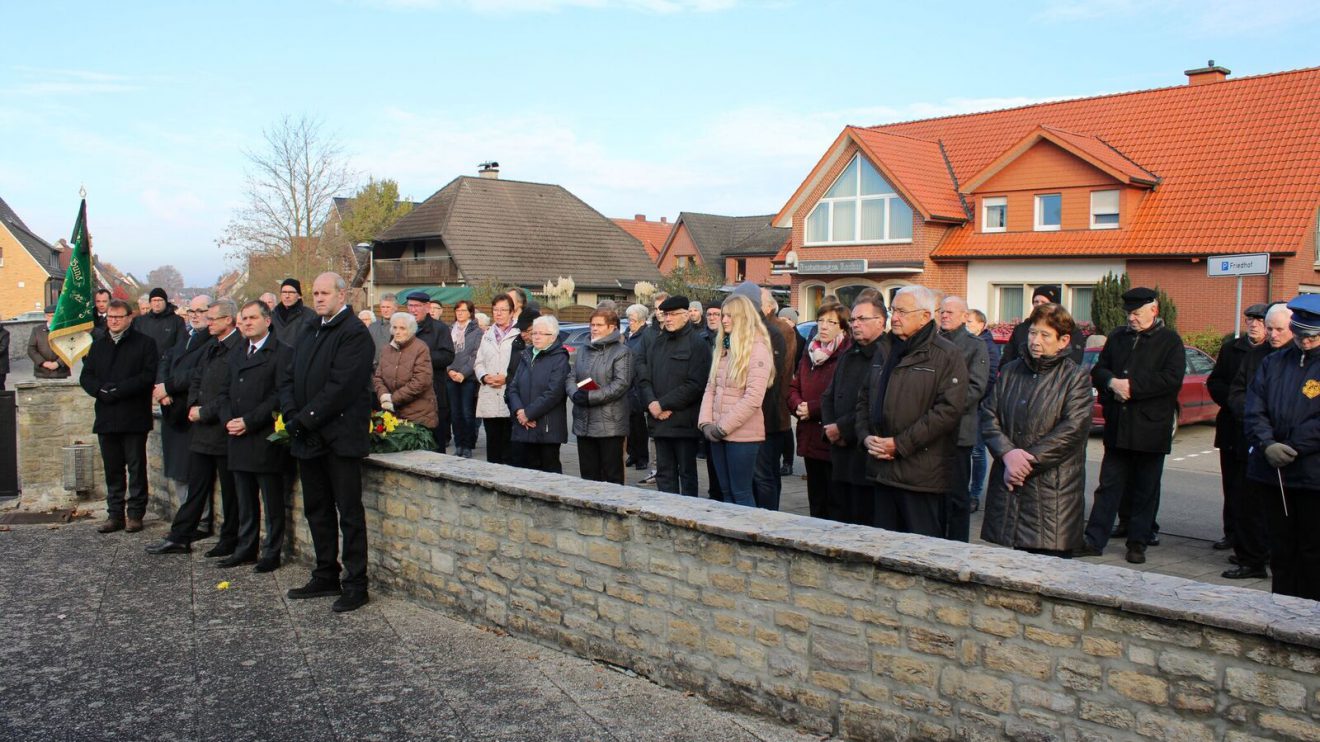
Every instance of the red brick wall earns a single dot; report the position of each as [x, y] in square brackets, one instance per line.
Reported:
[1045, 168]
[759, 270]
[1203, 303]
[681, 244]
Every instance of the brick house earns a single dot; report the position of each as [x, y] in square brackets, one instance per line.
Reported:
[31, 274]
[651, 234]
[988, 205]
[744, 248]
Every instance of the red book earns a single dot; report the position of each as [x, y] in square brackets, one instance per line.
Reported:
[588, 385]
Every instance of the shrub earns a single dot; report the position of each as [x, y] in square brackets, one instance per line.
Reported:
[1207, 340]
[1107, 304]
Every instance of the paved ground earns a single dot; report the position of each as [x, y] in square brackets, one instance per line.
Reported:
[99, 640]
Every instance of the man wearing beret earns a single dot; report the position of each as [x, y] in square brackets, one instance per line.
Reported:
[1283, 430]
[291, 314]
[1017, 343]
[1138, 376]
[672, 371]
[1229, 437]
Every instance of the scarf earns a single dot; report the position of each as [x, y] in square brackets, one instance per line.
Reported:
[456, 332]
[501, 332]
[821, 352]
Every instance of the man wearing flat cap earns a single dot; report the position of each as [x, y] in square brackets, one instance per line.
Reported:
[1138, 376]
[291, 315]
[1283, 430]
[1229, 438]
[672, 370]
[1017, 342]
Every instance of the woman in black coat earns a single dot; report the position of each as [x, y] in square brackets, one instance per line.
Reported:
[1035, 423]
[537, 398]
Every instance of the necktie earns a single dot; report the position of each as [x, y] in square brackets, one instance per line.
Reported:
[252, 350]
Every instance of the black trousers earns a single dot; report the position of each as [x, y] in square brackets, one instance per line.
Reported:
[713, 480]
[676, 466]
[638, 448]
[1295, 540]
[124, 456]
[258, 492]
[1233, 476]
[539, 456]
[957, 514]
[1252, 540]
[819, 472]
[767, 482]
[600, 459]
[332, 503]
[498, 430]
[853, 503]
[203, 470]
[906, 511]
[1136, 475]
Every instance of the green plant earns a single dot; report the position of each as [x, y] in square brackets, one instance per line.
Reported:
[696, 282]
[1107, 303]
[1207, 341]
[1168, 310]
[485, 290]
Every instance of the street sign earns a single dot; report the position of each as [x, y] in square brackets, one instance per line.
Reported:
[1254, 264]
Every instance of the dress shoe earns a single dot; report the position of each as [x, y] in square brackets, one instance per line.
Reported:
[1136, 554]
[166, 546]
[314, 589]
[1120, 531]
[350, 601]
[133, 525]
[1087, 549]
[266, 565]
[641, 465]
[220, 550]
[236, 560]
[200, 533]
[629, 462]
[1245, 573]
[650, 478]
[786, 470]
[1222, 544]
[110, 526]
[467, 453]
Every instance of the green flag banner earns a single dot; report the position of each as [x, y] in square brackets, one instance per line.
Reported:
[71, 327]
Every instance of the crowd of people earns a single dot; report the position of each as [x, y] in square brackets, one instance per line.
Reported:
[900, 409]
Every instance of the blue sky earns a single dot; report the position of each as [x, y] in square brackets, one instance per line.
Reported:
[637, 106]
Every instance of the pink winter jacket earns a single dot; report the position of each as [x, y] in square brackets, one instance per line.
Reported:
[737, 410]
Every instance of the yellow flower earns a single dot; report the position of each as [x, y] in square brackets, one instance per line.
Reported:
[279, 423]
[222, 585]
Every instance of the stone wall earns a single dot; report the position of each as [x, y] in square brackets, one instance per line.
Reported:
[53, 414]
[19, 334]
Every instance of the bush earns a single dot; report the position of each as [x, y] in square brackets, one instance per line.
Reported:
[1168, 310]
[1107, 304]
[1208, 341]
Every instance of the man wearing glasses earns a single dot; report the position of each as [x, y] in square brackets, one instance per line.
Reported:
[119, 371]
[172, 396]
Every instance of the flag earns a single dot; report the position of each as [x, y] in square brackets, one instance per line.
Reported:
[71, 327]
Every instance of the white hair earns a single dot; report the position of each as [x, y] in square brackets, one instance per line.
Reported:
[367, 314]
[483, 320]
[924, 297]
[1276, 309]
[637, 312]
[547, 322]
[409, 321]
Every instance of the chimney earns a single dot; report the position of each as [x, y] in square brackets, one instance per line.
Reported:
[489, 170]
[639, 217]
[1207, 74]
[664, 220]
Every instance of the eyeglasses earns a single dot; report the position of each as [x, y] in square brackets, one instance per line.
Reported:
[196, 311]
[906, 312]
[116, 316]
[828, 322]
[859, 320]
[217, 319]
[542, 334]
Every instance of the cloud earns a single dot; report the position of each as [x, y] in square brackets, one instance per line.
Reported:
[39, 81]
[1215, 18]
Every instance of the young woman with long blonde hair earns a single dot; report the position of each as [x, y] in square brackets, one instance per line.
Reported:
[731, 417]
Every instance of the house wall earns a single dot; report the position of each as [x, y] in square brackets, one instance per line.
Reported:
[22, 279]
[760, 269]
[680, 245]
[1043, 169]
[984, 275]
[1204, 303]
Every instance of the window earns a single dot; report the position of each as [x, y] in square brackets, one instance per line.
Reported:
[1104, 209]
[994, 214]
[1049, 212]
[1080, 306]
[1198, 363]
[739, 269]
[1010, 303]
[861, 206]
[686, 261]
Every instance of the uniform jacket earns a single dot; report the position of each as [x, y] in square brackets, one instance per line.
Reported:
[327, 388]
[809, 385]
[165, 328]
[254, 395]
[1154, 361]
[538, 390]
[180, 363]
[1043, 407]
[1229, 435]
[465, 361]
[210, 384]
[923, 403]
[126, 369]
[737, 409]
[493, 358]
[39, 351]
[673, 369]
[978, 380]
[838, 406]
[405, 374]
[609, 363]
[435, 334]
[1283, 406]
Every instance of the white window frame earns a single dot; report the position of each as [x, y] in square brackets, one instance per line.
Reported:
[1118, 205]
[986, 204]
[1040, 212]
[888, 198]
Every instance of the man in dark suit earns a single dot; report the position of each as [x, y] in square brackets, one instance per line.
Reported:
[119, 371]
[327, 411]
[171, 393]
[257, 464]
[101, 300]
[435, 333]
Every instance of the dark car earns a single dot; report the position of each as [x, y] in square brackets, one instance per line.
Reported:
[1194, 402]
[575, 335]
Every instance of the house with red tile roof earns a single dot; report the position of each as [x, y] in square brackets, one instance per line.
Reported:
[741, 248]
[652, 235]
[1152, 182]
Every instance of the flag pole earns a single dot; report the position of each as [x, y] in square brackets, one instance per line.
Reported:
[70, 328]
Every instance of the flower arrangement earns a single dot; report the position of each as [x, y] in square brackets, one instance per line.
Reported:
[389, 434]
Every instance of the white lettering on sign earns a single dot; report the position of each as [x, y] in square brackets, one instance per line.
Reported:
[1255, 264]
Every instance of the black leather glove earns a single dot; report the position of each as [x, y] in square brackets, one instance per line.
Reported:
[579, 397]
[295, 428]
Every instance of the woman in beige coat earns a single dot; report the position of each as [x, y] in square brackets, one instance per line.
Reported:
[403, 376]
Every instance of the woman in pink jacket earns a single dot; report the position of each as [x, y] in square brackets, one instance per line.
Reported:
[731, 415]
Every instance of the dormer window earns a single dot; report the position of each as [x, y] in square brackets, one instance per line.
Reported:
[861, 207]
[994, 214]
[1049, 212]
[1104, 209]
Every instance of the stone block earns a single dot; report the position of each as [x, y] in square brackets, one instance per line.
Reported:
[1162, 727]
[1264, 688]
[1049, 638]
[1185, 664]
[1098, 647]
[931, 641]
[986, 691]
[1077, 674]
[1140, 687]
[868, 721]
[907, 670]
[1028, 605]
[1015, 659]
[1117, 717]
[1291, 727]
[840, 652]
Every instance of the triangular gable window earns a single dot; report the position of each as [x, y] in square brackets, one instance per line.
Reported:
[861, 206]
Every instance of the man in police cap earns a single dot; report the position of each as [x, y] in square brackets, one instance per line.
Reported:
[1138, 375]
[1229, 438]
[1283, 430]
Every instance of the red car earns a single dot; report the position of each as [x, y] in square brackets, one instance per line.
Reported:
[1194, 402]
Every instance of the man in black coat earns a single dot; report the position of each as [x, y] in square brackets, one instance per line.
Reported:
[1017, 343]
[119, 371]
[4, 355]
[207, 445]
[248, 406]
[1138, 376]
[672, 372]
[291, 316]
[957, 515]
[162, 324]
[435, 334]
[327, 411]
[1229, 437]
[171, 393]
[852, 495]
[101, 300]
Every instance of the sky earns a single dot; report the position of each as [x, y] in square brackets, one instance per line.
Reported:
[637, 106]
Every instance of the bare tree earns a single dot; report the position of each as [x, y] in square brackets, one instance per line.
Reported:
[166, 277]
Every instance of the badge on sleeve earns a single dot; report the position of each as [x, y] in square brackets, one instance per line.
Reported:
[1311, 389]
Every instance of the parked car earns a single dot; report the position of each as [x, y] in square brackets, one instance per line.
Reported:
[578, 334]
[807, 330]
[1194, 402]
